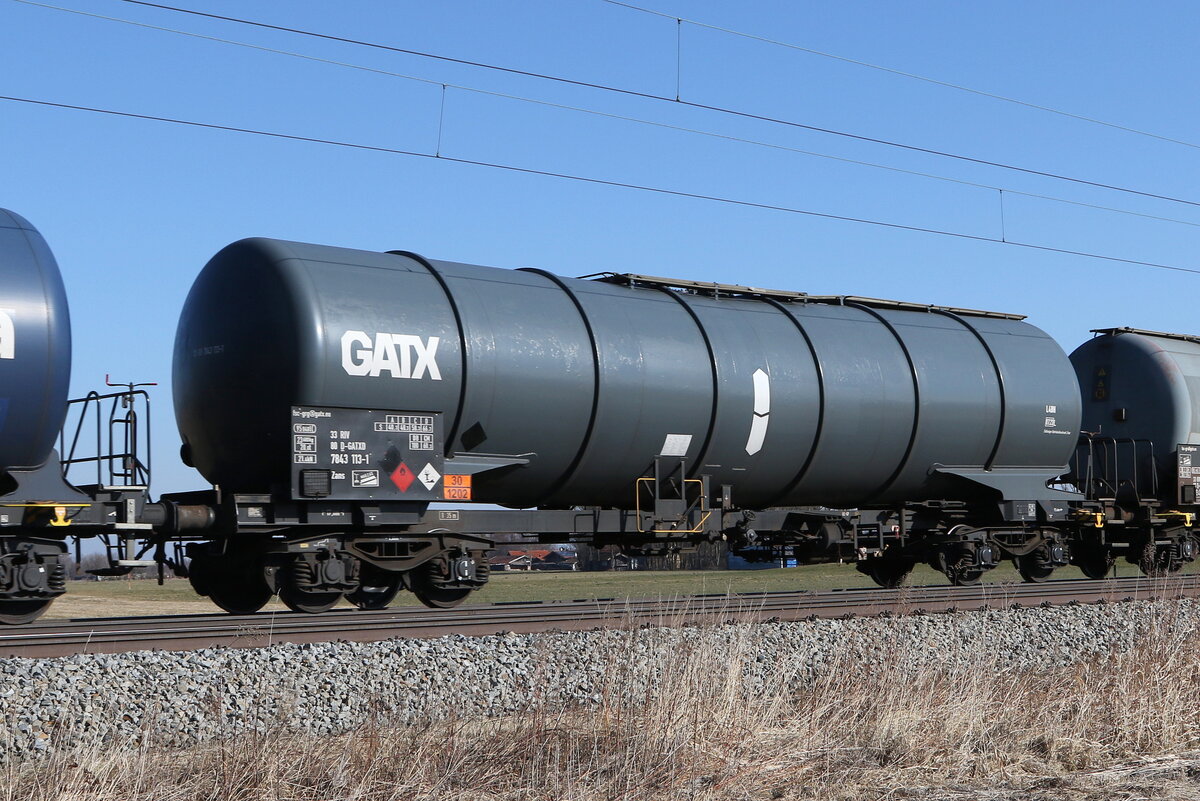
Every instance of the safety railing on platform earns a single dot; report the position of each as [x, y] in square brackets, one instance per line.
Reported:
[112, 432]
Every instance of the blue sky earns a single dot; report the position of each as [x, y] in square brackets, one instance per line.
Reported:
[133, 209]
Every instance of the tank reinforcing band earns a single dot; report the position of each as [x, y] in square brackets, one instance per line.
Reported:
[737, 290]
[586, 442]
[915, 374]
[991, 460]
[453, 432]
[702, 453]
[1162, 334]
[820, 426]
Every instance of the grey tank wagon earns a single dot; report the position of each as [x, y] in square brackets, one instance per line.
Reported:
[359, 415]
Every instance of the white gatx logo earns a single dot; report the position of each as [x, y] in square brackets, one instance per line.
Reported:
[8, 333]
[398, 355]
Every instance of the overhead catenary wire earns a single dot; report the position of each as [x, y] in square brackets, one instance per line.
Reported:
[599, 182]
[902, 73]
[444, 86]
[663, 98]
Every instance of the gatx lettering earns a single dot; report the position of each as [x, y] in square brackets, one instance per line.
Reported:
[8, 332]
[397, 355]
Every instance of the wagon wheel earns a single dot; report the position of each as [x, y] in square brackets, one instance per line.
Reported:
[440, 597]
[379, 593]
[25, 610]
[1156, 561]
[887, 572]
[1094, 562]
[964, 576]
[312, 603]
[235, 584]
[962, 571]
[426, 582]
[240, 599]
[1033, 569]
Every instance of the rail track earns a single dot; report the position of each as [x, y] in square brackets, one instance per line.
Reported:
[186, 632]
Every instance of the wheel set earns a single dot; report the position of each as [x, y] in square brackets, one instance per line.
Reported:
[242, 581]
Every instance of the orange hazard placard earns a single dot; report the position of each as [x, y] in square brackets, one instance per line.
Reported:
[456, 488]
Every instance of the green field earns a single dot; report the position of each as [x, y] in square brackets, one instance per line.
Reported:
[145, 597]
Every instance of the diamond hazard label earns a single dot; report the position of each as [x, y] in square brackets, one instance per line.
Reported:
[403, 477]
[429, 477]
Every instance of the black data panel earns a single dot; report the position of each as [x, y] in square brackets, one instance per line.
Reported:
[1187, 461]
[363, 454]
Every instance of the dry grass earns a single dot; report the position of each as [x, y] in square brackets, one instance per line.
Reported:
[710, 723]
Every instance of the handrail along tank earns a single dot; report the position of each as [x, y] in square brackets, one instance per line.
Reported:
[787, 399]
[35, 346]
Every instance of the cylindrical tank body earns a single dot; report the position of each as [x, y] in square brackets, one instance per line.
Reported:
[1141, 400]
[35, 345]
[785, 400]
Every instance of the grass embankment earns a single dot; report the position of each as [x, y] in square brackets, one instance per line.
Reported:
[687, 723]
[119, 597]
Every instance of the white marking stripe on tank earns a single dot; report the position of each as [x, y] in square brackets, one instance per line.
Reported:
[762, 392]
[8, 333]
[676, 445]
[762, 410]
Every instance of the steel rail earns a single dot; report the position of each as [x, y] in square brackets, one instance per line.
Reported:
[189, 632]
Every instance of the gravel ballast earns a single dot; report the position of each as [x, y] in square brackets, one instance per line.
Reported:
[181, 698]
